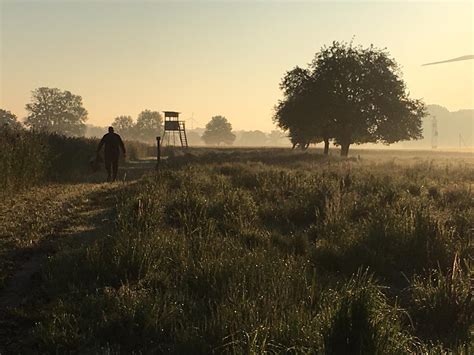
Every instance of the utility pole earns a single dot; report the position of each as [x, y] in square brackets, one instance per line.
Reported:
[434, 133]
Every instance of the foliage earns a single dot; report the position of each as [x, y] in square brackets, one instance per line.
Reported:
[252, 138]
[55, 111]
[218, 130]
[9, 119]
[276, 138]
[124, 126]
[300, 112]
[149, 125]
[351, 95]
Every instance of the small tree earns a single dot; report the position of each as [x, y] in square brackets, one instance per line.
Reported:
[218, 131]
[149, 125]
[56, 111]
[8, 119]
[125, 126]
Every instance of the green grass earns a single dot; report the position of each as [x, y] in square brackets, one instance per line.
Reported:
[277, 251]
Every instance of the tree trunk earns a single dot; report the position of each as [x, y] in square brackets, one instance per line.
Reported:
[326, 146]
[345, 149]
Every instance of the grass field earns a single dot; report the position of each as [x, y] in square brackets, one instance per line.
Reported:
[259, 250]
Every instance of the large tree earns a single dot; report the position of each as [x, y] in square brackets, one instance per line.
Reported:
[56, 111]
[9, 119]
[149, 125]
[351, 95]
[218, 131]
[368, 97]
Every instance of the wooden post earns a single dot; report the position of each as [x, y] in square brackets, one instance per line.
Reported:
[158, 151]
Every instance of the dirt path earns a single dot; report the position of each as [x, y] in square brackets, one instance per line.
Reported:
[36, 223]
[29, 218]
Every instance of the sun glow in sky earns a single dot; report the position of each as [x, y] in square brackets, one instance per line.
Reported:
[220, 57]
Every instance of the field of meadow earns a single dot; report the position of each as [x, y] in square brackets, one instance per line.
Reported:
[254, 251]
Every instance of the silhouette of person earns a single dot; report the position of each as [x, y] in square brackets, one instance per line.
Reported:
[113, 143]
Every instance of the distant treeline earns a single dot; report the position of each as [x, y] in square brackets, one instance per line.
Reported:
[255, 138]
[454, 129]
[52, 110]
[28, 158]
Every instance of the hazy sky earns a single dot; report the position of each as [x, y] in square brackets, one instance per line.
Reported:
[220, 57]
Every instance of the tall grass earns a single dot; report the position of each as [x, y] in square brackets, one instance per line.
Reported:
[443, 306]
[30, 158]
[22, 159]
[253, 258]
[138, 150]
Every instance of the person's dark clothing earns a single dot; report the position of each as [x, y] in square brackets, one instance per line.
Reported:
[113, 144]
[111, 165]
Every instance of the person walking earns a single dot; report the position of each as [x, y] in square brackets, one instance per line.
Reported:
[113, 144]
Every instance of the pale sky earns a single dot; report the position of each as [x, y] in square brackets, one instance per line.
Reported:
[221, 57]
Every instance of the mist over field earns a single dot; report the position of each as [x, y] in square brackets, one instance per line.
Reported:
[236, 177]
[455, 131]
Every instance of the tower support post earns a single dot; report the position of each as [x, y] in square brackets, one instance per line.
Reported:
[158, 151]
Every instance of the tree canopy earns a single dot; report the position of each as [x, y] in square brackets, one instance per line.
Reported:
[124, 126]
[149, 125]
[348, 94]
[9, 119]
[56, 111]
[277, 137]
[218, 131]
[252, 138]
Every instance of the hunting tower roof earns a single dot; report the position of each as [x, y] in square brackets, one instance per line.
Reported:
[171, 113]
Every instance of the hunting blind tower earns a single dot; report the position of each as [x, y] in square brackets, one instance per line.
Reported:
[174, 127]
